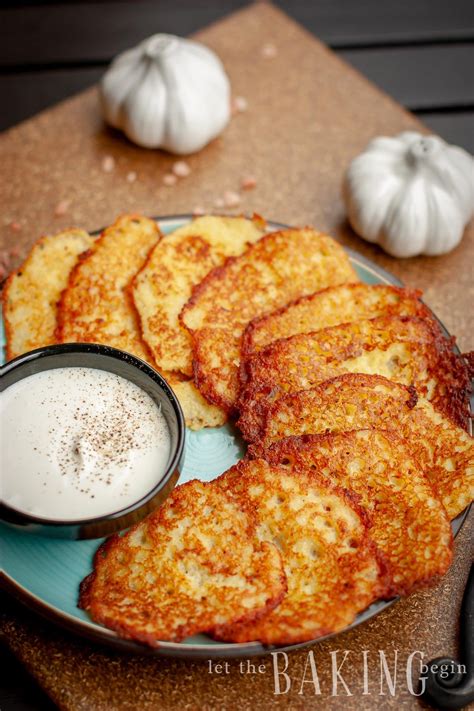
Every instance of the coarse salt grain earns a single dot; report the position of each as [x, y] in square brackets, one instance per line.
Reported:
[131, 177]
[199, 211]
[239, 104]
[170, 179]
[62, 207]
[219, 202]
[15, 226]
[108, 164]
[231, 198]
[181, 169]
[248, 182]
[269, 50]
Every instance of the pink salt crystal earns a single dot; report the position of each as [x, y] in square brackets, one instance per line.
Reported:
[108, 164]
[15, 226]
[131, 177]
[181, 169]
[239, 104]
[269, 50]
[170, 179]
[231, 199]
[248, 182]
[62, 207]
[199, 211]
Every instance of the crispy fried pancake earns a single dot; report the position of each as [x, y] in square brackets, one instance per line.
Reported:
[197, 411]
[31, 293]
[181, 260]
[329, 559]
[278, 268]
[330, 307]
[193, 564]
[408, 523]
[407, 350]
[96, 305]
[444, 452]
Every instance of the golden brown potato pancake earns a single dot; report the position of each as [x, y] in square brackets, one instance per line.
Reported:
[331, 307]
[197, 411]
[405, 349]
[192, 565]
[443, 450]
[177, 263]
[330, 561]
[407, 522]
[96, 305]
[278, 268]
[31, 293]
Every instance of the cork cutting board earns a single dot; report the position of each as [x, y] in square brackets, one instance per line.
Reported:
[308, 115]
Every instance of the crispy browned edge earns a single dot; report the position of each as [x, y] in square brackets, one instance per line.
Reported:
[414, 294]
[6, 288]
[355, 378]
[256, 218]
[127, 631]
[59, 305]
[451, 367]
[200, 377]
[6, 320]
[280, 451]
[83, 256]
[469, 358]
[198, 288]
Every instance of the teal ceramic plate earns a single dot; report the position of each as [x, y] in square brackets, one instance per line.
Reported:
[45, 573]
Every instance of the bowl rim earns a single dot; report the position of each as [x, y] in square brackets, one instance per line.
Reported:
[54, 350]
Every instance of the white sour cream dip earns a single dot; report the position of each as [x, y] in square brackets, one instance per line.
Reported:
[79, 443]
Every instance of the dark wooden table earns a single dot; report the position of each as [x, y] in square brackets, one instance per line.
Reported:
[420, 52]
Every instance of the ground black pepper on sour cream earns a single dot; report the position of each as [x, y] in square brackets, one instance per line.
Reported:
[79, 443]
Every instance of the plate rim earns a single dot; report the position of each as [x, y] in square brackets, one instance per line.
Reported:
[98, 633]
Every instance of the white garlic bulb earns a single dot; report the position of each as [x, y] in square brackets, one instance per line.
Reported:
[167, 92]
[411, 194]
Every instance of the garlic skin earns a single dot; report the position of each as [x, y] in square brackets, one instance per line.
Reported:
[167, 92]
[411, 194]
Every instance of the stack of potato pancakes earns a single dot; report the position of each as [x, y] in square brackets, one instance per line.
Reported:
[352, 401]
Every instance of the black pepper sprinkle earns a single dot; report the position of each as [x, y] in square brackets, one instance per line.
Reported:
[110, 428]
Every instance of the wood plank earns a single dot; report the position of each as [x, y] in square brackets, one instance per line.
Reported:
[98, 30]
[27, 93]
[420, 77]
[19, 690]
[345, 22]
[456, 127]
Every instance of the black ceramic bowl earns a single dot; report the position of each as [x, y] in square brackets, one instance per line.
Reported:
[91, 355]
